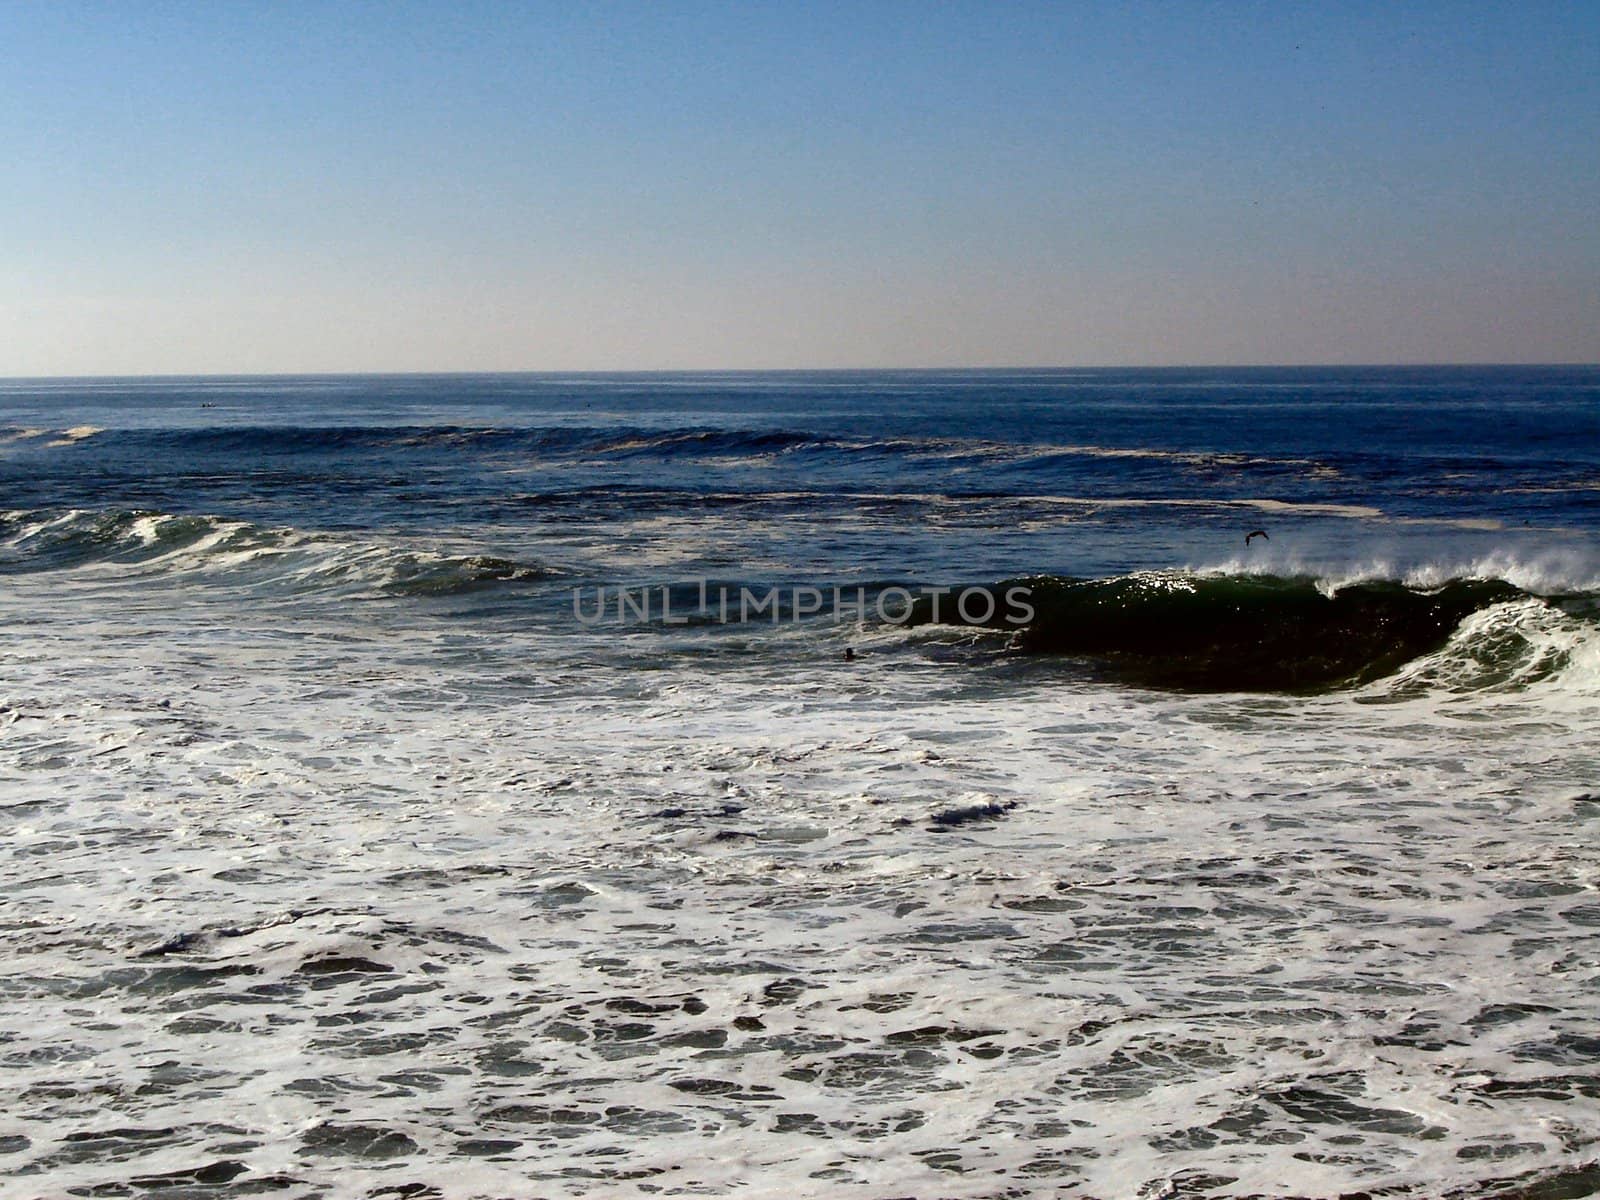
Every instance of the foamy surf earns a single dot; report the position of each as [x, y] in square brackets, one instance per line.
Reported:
[722, 932]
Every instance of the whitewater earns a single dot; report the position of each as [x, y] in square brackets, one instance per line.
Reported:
[342, 859]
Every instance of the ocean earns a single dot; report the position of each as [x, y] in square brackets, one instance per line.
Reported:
[395, 805]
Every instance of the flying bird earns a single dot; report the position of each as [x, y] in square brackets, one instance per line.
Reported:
[1256, 533]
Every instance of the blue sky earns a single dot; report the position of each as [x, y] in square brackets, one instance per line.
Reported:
[309, 187]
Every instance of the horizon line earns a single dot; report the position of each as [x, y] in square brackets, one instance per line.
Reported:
[665, 371]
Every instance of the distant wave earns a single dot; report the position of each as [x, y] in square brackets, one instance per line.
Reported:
[1266, 633]
[58, 437]
[613, 442]
[698, 442]
[145, 542]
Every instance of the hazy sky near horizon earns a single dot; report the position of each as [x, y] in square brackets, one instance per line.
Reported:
[266, 187]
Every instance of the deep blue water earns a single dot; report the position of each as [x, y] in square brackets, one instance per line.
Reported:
[927, 474]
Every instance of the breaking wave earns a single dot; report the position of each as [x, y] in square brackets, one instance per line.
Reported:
[156, 543]
[1266, 633]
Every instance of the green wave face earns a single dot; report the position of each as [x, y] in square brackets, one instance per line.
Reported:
[1237, 632]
